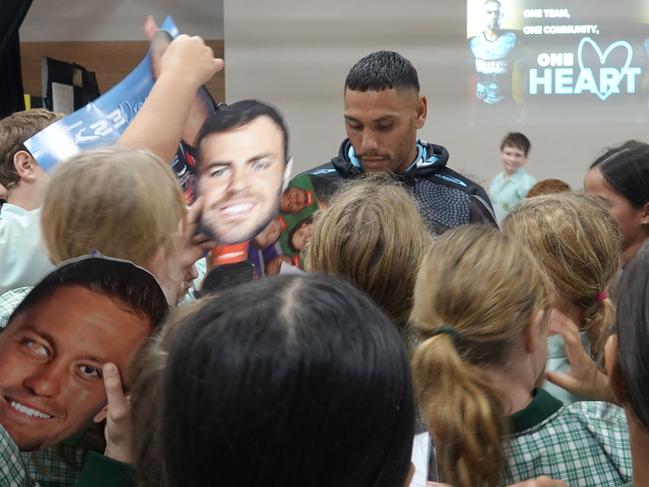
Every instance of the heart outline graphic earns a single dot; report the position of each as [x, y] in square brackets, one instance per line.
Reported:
[602, 60]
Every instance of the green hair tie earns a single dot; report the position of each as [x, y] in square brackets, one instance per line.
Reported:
[445, 330]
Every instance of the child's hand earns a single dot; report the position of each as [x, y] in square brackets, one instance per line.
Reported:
[585, 378]
[118, 417]
[190, 60]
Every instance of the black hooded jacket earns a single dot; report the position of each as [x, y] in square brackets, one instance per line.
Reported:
[445, 198]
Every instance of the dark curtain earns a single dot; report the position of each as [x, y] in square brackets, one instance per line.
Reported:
[11, 80]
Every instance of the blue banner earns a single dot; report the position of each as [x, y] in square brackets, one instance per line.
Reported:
[101, 122]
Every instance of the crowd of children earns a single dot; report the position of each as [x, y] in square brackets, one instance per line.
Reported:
[409, 339]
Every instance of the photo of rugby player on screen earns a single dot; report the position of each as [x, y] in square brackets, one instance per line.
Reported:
[497, 59]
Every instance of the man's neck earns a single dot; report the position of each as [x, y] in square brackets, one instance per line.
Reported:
[516, 392]
[515, 380]
[23, 200]
[631, 250]
[509, 175]
[492, 35]
[412, 157]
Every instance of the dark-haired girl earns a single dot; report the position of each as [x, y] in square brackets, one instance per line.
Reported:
[621, 177]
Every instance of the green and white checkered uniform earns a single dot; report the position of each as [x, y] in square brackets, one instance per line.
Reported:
[583, 444]
[9, 301]
[97, 471]
[13, 471]
[49, 469]
[25, 469]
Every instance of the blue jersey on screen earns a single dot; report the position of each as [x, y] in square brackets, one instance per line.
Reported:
[494, 62]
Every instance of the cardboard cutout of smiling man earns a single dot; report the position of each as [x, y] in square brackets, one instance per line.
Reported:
[86, 313]
[243, 169]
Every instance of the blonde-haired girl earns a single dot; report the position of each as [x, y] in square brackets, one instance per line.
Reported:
[577, 243]
[372, 235]
[122, 203]
[481, 307]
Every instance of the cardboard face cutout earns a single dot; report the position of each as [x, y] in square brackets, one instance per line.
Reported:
[242, 175]
[84, 314]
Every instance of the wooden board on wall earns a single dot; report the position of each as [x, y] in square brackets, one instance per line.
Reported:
[111, 62]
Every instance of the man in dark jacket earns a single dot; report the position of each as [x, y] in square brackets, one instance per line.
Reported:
[383, 111]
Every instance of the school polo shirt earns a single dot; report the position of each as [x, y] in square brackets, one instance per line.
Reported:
[22, 257]
[583, 444]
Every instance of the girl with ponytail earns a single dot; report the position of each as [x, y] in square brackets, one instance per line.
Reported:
[481, 306]
[578, 245]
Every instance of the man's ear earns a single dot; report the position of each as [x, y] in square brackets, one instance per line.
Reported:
[536, 333]
[287, 173]
[422, 111]
[24, 164]
[645, 214]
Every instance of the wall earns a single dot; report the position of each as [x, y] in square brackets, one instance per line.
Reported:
[296, 54]
[110, 60]
[117, 20]
[106, 36]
